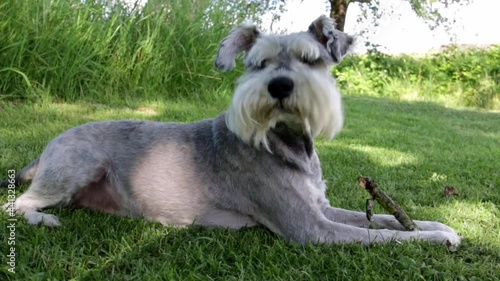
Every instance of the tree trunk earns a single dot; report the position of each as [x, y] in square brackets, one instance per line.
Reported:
[338, 11]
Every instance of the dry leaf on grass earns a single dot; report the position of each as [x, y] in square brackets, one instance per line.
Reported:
[450, 191]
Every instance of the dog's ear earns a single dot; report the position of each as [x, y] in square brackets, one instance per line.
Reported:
[240, 39]
[335, 41]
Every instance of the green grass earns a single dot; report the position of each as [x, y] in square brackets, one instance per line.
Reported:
[68, 62]
[412, 149]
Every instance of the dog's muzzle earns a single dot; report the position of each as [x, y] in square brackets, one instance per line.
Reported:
[280, 87]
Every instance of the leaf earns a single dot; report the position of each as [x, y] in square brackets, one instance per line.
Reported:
[450, 191]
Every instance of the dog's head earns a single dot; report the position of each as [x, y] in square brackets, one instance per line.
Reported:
[287, 79]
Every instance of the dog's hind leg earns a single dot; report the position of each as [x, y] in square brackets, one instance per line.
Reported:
[31, 202]
[56, 183]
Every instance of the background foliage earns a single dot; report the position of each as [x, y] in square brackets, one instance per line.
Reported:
[95, 50]
[454, 76]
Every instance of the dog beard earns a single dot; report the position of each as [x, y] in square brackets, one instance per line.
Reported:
[314, 107]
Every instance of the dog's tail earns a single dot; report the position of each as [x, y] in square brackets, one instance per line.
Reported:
[25, 175]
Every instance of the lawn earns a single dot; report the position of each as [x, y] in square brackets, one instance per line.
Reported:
[413, 150]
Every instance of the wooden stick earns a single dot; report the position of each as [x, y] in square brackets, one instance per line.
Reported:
[387, 203]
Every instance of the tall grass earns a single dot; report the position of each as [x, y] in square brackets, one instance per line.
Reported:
[72, 49]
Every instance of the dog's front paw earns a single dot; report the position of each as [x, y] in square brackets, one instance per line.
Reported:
[450, 239]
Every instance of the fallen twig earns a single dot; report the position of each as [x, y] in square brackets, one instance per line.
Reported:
[387, 203]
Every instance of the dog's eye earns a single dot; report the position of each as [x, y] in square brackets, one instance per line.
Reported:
[263, 64]
[309, 61]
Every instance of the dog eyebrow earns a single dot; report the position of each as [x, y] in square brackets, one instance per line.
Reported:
[264, 48]
[301, 48]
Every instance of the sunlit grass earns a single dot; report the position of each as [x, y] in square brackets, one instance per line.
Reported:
[479, 221]
[386, 156]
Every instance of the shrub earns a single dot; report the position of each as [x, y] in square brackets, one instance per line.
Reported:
[460, 77]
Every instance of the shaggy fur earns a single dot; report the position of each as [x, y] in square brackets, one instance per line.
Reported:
[255, 164]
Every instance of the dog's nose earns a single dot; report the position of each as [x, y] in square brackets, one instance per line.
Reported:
[280, 87]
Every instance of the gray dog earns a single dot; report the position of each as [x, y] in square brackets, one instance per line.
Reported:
[255, 164]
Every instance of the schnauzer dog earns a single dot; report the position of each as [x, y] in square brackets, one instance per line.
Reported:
[254, 164]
